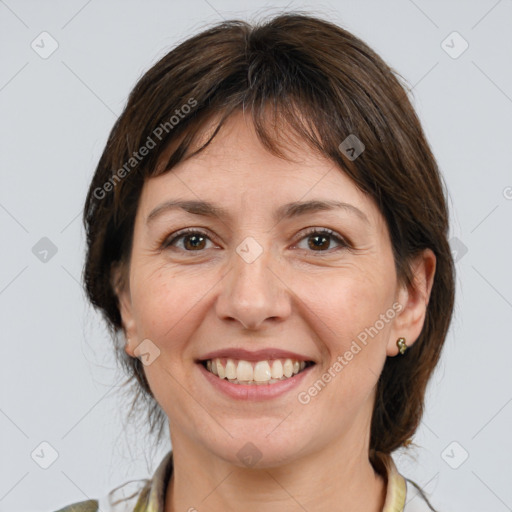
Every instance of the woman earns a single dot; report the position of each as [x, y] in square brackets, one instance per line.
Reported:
[267, 234]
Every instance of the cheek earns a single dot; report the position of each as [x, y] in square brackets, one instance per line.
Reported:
[354, 317]
[159, 303]
[170, 305]
[350, 302]
[168, 311]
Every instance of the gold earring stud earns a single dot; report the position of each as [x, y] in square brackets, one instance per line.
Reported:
[402, 346]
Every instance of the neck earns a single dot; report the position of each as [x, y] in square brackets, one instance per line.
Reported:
[336, 478]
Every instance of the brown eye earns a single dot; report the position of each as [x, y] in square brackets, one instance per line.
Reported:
[190, 240]
[193, 241]
[320, 240]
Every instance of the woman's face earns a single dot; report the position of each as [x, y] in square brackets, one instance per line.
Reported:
[263, 276]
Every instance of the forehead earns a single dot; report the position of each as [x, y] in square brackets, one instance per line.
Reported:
[236, 171]
[237, 146]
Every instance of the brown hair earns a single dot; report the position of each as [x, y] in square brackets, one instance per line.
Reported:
[324, 84]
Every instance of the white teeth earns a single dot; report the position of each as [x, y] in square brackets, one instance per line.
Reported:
[230, 369]
[261, 372]
[288, 368]
[244, 370]
[277, 369]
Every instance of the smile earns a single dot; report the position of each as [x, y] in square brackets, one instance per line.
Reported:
[239, 371]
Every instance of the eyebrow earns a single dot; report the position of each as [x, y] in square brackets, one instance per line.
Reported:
[286, 211]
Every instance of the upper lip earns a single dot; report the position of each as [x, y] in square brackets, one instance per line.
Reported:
[254, 355]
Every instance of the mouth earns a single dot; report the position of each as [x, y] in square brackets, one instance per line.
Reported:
[264, 372]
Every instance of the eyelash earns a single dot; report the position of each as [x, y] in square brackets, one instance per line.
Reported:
[170, 240]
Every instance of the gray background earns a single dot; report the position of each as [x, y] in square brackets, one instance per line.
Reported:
[58, 378]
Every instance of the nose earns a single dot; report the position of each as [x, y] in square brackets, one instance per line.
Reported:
[252, 292]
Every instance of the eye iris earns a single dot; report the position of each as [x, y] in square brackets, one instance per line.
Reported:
[197, 241]
[197, 238]
[315, 246]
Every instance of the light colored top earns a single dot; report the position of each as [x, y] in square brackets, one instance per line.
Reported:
[148, 495]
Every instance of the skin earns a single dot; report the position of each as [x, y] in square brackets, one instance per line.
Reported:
[189, 301]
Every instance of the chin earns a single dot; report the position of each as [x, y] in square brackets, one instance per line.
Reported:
[259, 451]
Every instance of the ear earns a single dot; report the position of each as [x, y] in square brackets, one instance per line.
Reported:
[414, 301]
[120, 284]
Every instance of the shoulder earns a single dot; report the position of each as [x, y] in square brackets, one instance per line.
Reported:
[402, 495]
[142, 495]
[124, 498]
[82, 506]
[415, 499]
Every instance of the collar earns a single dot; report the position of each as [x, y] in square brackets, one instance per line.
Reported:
[395, 483]
[153, 496]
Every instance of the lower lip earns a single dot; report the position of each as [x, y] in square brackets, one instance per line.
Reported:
[254, 391]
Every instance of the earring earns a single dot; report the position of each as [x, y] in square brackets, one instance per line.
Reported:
[402, 346]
